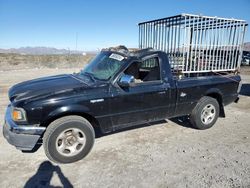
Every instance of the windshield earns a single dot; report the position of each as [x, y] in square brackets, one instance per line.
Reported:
[104, 65]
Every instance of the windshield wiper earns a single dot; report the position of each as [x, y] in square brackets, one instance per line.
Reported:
[90, 75]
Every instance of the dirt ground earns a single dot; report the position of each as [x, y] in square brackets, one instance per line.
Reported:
[163, 154]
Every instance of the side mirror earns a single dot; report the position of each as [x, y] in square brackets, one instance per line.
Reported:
[126, 80]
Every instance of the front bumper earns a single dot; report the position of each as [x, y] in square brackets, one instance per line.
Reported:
[22, 137]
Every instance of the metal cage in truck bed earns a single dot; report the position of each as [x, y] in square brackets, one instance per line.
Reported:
[195, 43]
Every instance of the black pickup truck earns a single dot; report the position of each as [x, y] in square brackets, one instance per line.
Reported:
[117, 89]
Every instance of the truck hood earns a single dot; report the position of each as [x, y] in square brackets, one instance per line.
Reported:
[45, 86]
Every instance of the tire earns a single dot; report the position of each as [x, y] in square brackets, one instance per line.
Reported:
[68, 139]
[205, 113]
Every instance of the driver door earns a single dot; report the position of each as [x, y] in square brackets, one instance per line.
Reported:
[144, 100]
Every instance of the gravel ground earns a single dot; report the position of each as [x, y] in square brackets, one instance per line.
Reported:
[163, 154]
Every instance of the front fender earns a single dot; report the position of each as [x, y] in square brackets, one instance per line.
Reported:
[69, 109]
[65, 110]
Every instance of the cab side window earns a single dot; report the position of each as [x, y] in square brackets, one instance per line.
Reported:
[145, 71]
[150, 69]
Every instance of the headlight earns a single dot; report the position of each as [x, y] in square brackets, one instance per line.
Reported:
[18, 114]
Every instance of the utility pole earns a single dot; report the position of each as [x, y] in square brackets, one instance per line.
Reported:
[76, 40]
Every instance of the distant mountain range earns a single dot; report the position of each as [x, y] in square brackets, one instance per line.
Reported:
[42, 51]
[50, 51]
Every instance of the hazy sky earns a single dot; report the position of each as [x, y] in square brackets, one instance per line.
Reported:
[55, 23]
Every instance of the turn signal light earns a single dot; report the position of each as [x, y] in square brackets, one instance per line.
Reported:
[18, 114]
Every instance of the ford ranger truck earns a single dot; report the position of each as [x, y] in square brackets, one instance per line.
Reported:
[117, 89]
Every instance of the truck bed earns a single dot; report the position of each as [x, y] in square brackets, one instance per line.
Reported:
[191, 89]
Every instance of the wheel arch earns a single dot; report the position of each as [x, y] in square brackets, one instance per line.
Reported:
[58, 113]
[217, 94]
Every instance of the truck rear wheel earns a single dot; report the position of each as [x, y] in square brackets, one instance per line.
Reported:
[205, 113]
[68, 139]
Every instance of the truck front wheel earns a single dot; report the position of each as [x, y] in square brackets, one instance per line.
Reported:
[68, 139]
[205, 113]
